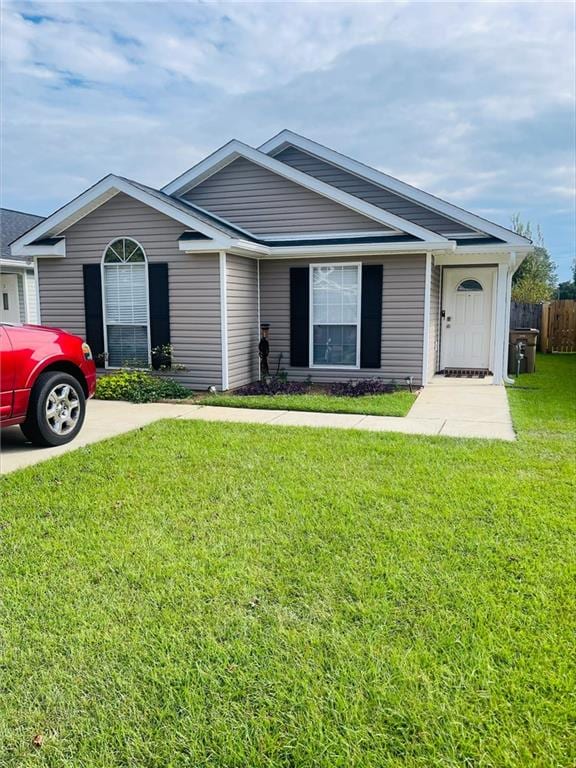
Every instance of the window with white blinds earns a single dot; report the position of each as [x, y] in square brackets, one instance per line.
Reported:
[335, 317]
[126, 304]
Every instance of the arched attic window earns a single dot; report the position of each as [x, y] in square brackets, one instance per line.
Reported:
[125, 287]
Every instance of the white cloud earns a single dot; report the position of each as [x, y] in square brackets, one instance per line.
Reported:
[472, 101]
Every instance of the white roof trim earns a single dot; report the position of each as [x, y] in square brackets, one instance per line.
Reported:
[15, 264]
[305, 251]
[95, 196]
[209, 246]
[235, 149]
[285, 138]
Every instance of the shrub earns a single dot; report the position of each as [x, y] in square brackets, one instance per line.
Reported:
[139, 387]
[276, 385]
[359, 387]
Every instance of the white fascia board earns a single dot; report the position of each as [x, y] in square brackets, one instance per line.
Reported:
[216, 246]
[15, 264]
[285, 138]
[206, 167]
[235, 149]
[488, 254]
[58, 250]
[360, 249]
[255, 250]
[100, 193]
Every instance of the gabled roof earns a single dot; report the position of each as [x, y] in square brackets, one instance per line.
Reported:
[13, 224]
[236, 149]
[288, 138]
[103, 191]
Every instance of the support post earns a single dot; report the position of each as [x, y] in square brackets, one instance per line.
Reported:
[500, 345]
[426, 329]
[223, 319]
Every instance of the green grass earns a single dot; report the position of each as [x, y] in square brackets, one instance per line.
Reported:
[392, 404]
[197, 594]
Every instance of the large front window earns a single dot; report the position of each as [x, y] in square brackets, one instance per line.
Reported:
[125, 303]
[335, 316]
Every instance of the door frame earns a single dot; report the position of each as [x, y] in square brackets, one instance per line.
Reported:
[471, 269]
[15, 293]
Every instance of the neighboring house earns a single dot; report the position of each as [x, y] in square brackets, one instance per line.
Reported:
[357, 273]
[17, 282]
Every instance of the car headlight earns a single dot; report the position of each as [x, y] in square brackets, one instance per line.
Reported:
[86, 351]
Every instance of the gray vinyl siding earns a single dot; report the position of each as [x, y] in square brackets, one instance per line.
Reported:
[243, 332]
[194, 282]
[402, 318]
[371, 193]
[263, 202]
[434, 326]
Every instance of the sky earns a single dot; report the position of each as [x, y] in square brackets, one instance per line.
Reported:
[473, 102]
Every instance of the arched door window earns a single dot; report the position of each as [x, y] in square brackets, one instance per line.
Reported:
[470, 286]
[125, 287]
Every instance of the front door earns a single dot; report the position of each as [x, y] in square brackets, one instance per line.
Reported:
[9, 305]
[467, 317]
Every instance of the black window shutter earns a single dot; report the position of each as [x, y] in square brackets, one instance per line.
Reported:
[371, 316]
[299, 317]
[93, 313]
[159, 299]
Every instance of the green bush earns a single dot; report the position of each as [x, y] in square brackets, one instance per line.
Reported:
[139, 387]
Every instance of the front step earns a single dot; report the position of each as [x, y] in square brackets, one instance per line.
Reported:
[466, 373]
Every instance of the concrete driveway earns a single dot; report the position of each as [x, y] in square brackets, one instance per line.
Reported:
[103, 419]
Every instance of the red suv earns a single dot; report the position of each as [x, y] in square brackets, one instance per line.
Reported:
[46, 375]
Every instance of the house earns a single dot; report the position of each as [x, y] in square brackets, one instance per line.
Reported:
[17, 283]
[358, 274]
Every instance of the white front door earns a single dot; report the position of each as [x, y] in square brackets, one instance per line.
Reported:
[467, 317]
[9, 305]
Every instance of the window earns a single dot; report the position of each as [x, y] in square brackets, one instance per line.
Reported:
[125, 286]
[469, 285]
[335, 315]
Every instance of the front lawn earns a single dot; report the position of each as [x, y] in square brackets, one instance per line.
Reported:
[246, 596]
[389, 404]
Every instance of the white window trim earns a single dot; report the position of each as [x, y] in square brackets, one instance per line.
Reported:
[105, 319]
[311, 363]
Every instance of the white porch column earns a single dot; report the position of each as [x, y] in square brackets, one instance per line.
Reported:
[223, 319]
[500, 334]
[426, 328]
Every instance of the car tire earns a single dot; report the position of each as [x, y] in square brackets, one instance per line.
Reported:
[56, 410]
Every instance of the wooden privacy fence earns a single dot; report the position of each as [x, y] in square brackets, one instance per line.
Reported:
[558, 330]
[556, 321]
[525, 315]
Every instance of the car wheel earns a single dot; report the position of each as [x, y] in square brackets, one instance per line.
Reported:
[56, 410]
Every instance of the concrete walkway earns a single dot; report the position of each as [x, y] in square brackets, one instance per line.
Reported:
[451, 407]
[466, 407]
